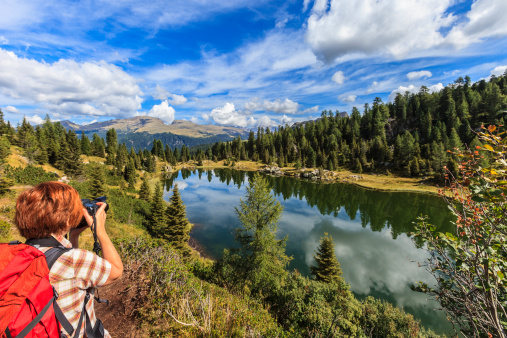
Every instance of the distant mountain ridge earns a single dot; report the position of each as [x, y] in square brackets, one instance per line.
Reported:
[153, 125]
[140, 131]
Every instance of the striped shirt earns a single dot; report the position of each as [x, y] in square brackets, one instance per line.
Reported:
[72, 274]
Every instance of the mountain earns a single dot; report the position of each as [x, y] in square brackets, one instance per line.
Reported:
[140, 131]
[153, 125]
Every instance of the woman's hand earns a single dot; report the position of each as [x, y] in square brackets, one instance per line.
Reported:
[100, 217]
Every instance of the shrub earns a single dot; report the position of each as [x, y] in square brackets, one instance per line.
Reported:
[29, 175]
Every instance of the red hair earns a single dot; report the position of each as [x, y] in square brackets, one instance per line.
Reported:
[48, 208]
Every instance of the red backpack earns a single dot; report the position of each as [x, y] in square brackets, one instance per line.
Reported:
[28, 305]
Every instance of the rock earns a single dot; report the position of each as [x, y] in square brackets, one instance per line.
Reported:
[64, 179]
[56, 174]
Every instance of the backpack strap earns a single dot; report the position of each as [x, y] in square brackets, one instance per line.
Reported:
[52, 255]
[34, 321]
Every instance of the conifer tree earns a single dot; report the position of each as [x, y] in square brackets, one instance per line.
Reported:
[5, 148]
[111, 145]
[144, 191]
[85, 144]
[262, 257]
[157, 221]
[73, 163]
[328, 268]
[178, 226]
[97, 181]
[130, 173]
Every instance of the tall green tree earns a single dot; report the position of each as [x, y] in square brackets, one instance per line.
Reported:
[111, 145]
[144, 191]
[85, 144]
[262, 258]
[328, 268]
[157, 221]
[97, 181]
[130, 173]
[178, 226]
[5, 148]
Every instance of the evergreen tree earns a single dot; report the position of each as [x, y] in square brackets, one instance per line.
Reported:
[178, 226]
[144, 191]
[73, 165]
[97, 146]
[111, 145]
[262, 257]
[157, 221]
[5, 148]
[130, 173]
[328, 268]
[97, 181]
[85, 144]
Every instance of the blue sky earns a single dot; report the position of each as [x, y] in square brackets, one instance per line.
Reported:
[236, 62]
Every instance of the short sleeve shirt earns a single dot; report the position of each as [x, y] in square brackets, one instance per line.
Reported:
[71, 275]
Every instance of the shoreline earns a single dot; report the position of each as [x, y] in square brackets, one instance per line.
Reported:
[377, 182]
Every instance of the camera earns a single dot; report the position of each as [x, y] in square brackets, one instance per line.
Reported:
[91, 206]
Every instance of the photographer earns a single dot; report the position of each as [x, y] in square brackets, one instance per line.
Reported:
[44, 215]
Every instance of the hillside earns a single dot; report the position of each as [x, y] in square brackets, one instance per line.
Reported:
[153, 125]
[140, 131]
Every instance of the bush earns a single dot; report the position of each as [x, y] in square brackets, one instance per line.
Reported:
[29, 175]
[4, 230]
[173, 295]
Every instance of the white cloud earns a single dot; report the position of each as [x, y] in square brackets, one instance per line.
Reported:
[11, 109]
[313, 109]
[205, 117]
[286, 120]
[499, 71]
[227, 115]
[436, 88]
[66, 86]
[338, 77]
[194, 119]
[396, 27]
[265, 121]
[485, 19]
[3, 40]
[418, 75]
[163, 111]
[374, 86]
[277, 106]
[174, 99]
[182, 185]
[348, 98]
[35, 119]
[413, 89]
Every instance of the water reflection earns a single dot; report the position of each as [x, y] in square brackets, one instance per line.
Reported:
[370, 230]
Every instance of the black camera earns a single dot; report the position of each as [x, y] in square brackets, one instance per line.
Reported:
[91, 206]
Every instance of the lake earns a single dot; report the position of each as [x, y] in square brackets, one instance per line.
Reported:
[370, 229]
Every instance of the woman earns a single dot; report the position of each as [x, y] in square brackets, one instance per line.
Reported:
[49, 211]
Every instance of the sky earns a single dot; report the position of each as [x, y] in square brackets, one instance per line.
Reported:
[236, 62]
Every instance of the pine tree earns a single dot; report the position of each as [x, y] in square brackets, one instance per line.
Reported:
[144, 191]
[328, 268]
[97, 181]
[157, 221]
[5, 148]
[178, 226]
[112, 145]
[130, 173]
[85, 144]
[73, 163]
[262, 256]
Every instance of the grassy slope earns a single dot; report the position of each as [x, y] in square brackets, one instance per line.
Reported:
[156, 281]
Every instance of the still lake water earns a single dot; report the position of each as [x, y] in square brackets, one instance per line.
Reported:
[370, 230]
